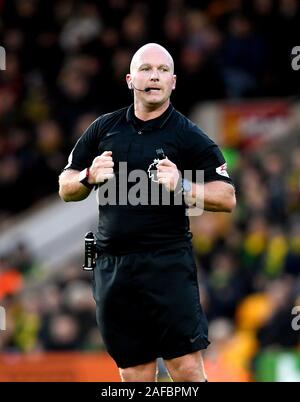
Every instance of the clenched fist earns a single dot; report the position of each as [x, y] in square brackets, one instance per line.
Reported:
[102, 168]
[168, 174]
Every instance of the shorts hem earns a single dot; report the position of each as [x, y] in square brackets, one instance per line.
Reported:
[135, 362]
[200, 345]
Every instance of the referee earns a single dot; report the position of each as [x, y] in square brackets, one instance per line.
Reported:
[145, 282]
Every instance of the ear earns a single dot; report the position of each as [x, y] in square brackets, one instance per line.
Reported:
[174, 82]
[129, 81]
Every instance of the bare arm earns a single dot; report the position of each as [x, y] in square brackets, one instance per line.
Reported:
[219, 196]
[70, 189]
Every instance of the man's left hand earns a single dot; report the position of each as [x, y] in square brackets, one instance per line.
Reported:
[168, 174]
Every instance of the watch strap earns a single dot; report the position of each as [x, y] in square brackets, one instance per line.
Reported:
[84, 177]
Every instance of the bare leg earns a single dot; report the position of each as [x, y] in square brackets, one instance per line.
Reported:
[143, 372]
[187, 368]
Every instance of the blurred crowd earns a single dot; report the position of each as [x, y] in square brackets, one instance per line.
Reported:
[66, 63]
[67, 60]
[249, 262]
[46, 314]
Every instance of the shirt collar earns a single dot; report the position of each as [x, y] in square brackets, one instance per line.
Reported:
[152, 124]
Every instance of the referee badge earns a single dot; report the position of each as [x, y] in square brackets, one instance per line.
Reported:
[222, 170]
[152, 171]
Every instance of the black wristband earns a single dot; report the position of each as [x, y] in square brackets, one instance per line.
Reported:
[84, 177]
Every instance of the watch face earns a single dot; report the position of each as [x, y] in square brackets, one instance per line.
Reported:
[186, 185]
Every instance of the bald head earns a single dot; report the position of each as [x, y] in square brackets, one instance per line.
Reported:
[149, 52]
[151, 77]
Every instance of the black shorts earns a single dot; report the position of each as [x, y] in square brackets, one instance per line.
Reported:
[148, 305]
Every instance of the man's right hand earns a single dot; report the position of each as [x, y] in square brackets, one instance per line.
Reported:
[102, 168]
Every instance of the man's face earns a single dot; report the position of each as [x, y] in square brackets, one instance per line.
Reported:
[152, 68]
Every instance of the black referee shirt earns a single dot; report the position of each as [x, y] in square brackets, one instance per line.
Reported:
[133, 228]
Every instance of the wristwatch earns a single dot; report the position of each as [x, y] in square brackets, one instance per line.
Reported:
[83, 178]
[185, 188]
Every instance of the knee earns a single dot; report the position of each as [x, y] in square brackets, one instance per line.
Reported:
[140, 373]
[188, 371]
[129, 374]
[188, 368]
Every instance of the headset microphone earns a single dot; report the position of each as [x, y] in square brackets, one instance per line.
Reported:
[142, 90]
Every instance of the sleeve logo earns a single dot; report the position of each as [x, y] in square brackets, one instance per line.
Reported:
[222, 170]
